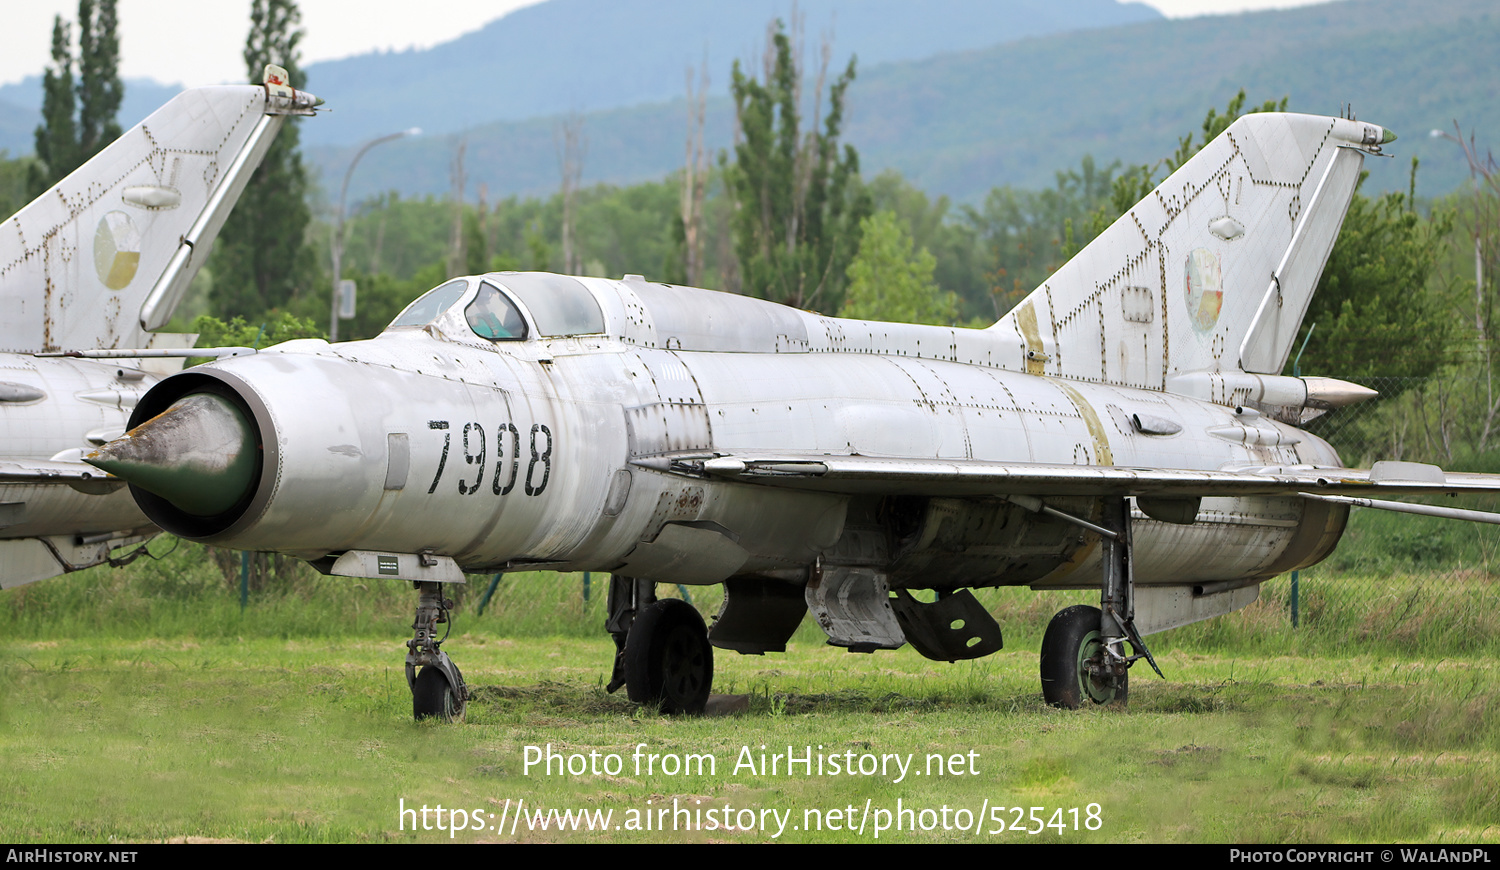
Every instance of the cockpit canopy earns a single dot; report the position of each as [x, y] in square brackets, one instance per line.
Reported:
[493, 316]
[508, 306]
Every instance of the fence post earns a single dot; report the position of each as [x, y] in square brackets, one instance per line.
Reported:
[485, 600]
[1294, 599]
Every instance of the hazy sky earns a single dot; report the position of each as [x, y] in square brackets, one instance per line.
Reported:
[198, 42]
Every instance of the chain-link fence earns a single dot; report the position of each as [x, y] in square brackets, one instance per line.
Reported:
[1406, 581]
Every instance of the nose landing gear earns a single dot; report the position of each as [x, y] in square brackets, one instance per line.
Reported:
[437, 690]
[668, 660]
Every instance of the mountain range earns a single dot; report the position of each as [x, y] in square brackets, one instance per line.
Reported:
[959, 123]
[590, 55]
[958, 95]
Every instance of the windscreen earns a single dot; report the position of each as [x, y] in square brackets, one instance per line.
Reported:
[430, 305]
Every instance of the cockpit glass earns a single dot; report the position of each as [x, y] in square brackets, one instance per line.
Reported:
[493, 316]
[559, 305]
[431, 304]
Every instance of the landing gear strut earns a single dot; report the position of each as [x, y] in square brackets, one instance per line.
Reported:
[1083, 651]
[438, 690]
[662, 653]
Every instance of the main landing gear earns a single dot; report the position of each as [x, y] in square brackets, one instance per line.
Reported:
[437, 690]
[662, 653]
[1083, 651]
[1076, 662]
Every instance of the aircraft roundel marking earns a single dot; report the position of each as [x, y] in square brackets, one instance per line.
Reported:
[1205, 288]
[117, 249]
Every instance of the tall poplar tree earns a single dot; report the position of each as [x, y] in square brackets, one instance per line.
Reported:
[57, 135]
[78, 115]
[797, 198]
[99, 88]
[260, 262]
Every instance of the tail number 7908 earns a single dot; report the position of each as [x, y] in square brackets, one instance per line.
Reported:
[506, 474]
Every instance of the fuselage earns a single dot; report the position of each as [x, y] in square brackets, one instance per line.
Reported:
[554, 450]
[52, 520]
[59, 409]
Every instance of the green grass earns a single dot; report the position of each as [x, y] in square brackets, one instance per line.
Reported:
[311, 740]
[1368, 597]
[143, 704]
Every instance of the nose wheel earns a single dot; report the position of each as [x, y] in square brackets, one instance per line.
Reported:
[434, 697]
[437, 687]
[667, 658]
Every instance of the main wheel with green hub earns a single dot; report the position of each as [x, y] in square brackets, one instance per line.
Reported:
[1073, 661]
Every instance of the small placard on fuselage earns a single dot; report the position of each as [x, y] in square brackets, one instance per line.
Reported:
[420, 567]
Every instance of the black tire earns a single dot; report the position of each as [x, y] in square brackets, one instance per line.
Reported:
[432, 697]
[1072, 639]
[668, 660]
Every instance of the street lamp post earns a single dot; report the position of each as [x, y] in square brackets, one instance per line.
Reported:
[1481, 174]
[338, 227]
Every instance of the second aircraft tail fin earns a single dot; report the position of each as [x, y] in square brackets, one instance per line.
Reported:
[105, 255]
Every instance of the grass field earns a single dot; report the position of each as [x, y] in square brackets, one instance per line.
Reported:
[142, 704]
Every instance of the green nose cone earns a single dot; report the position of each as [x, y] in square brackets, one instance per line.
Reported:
[200, 455]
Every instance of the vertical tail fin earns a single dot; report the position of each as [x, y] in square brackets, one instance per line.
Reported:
[106, 254]
[1213, 271]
